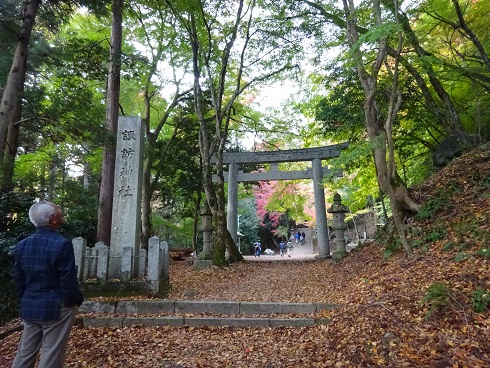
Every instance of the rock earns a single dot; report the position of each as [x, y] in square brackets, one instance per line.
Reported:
[451, 147]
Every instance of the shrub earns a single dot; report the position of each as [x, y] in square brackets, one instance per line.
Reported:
[481, 300]
[436, 297]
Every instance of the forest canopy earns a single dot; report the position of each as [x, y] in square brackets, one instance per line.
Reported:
[405, 83]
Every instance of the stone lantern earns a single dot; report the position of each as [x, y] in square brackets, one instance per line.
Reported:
[207, 232]
[338, 210]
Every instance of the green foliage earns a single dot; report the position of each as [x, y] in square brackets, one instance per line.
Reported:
[356, 185]
[388, 236]
[481, 300]
[461, 256]
[249, 222]
[448, 246]
[437, 233]
[467, 226]
[484, 252]
[8, 298]
[340, 112]
[436, 297]
[486, 182]
[430, 207]
[79, 206]
[176, 232]
[438, 202]
[392, 247]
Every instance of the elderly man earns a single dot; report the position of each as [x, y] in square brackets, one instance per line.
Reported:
[46, 277]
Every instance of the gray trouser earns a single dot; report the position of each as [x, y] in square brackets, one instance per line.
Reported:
[51, 337]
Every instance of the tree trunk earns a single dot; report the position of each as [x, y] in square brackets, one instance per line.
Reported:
[14, 88]
[218, 247]
[393, 108]
[10, 153]
[385, 180]
[146, 201]
[106, 191]
[388, 182]
[471, 35]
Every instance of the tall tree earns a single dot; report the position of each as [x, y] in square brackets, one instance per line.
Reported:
[163, 119]
[229, 48]
[104, 217]
[388, 180]
[10, 106]
[54, 13]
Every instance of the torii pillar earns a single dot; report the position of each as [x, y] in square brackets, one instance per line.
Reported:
[232, 213]
[320, 209]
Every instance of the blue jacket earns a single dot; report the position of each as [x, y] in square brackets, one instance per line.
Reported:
[46, 275]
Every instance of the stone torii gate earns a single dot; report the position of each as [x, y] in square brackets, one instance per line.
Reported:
[315, 155]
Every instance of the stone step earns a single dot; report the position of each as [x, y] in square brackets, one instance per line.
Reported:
[139, 312]
[180, 321]
[202, 306]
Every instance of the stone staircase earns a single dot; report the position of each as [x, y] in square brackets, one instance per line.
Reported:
[201, 313]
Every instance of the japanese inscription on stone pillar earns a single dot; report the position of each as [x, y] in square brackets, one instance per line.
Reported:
[126, 210]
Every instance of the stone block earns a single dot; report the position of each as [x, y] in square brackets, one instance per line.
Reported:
[231, 322]
[276, 308]
[102, 261]
[200, 264]
[292, 322]
[154, 259]
[142, 263]
[87, 264]
[165, 273]
[146, 306]
[188, 306]
[90, 306]
[79, 248]
[337, 256]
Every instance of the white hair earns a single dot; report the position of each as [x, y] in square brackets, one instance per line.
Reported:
[40, 212]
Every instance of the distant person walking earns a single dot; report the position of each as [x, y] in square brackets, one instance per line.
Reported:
[258, 249]
[298, 236]
[289, 247]
[281, 248]
[46, 277]
[303, 238]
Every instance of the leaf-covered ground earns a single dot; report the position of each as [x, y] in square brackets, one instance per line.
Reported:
[381, 320]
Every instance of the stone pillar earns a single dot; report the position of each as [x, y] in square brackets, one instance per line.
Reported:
[79, 248]
[338, 210]
[165, 277]
[142, 263]
[232, 213]
[102, 261]
[89, 267]
[154, 264]
[126, 209]
[314, 241]
[320, 209]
